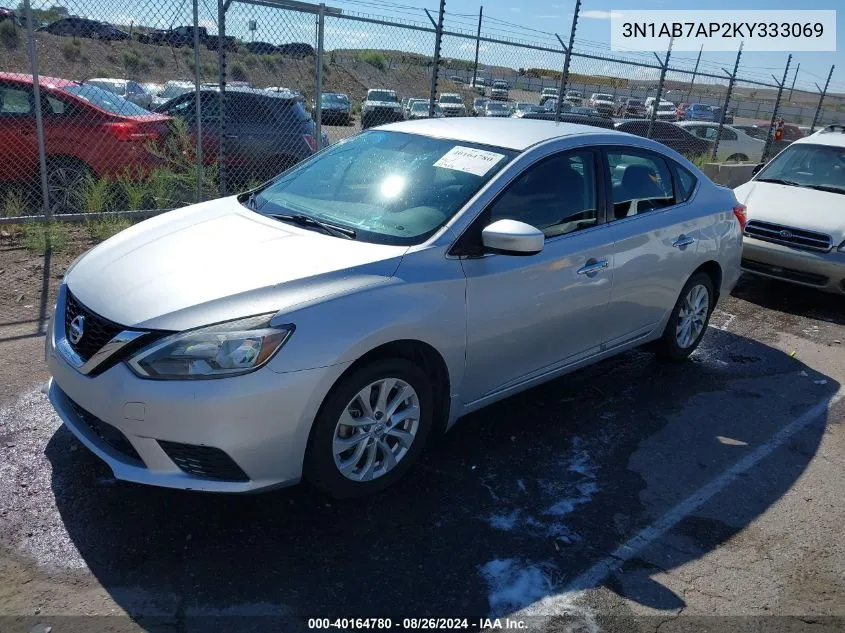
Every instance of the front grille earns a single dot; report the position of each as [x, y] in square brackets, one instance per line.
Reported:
[796, 238]
[107, 434]
[97, 331]
[789, 274]
[206, 462]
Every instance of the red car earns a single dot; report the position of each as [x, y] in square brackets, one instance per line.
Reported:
[87, 131]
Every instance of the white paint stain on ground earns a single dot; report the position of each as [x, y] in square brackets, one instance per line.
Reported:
[513, 584]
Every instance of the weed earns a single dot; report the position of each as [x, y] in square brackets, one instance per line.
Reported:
[374, 59]
[71, 51]
[135, 191]
[102, 229]
[14, 206]
[134, 63]
[39, 237]
[159, 61]
[238, 72]
[96, 195]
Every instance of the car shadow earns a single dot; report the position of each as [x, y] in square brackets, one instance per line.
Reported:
[509, 507]
[791, 298]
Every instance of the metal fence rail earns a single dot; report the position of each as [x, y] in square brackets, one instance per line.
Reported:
[139, 107]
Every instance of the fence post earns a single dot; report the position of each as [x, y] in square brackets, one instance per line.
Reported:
[221, 67]
[318, 81]
[39, 121]
[694, 72]
[477, 43]
[656, 105]
[197, 82]
[821, 100]
[435, 69]
[727, 104]
[770, 135]
[564, 75]
[794, 77]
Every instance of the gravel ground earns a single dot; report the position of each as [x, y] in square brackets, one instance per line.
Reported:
[632, 495]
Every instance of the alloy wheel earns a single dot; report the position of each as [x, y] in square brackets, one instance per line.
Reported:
[376, 429]
[692, 316]
[64, 186]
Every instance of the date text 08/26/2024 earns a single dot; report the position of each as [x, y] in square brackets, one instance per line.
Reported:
[417, 624]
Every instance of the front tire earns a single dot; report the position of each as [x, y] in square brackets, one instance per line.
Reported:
[370, 429]
[688, 321]
[738, 158]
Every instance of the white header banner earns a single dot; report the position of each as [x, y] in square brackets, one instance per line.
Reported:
[773, 31]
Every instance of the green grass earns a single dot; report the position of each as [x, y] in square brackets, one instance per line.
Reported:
[39, 237]
[72, 50]
[96, 195]
[134, 63]
[374, 59]
[102, 229]
[238, 72]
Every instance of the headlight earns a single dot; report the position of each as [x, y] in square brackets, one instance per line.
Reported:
[215, 351]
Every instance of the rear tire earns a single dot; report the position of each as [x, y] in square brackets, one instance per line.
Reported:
[370, 429]
[688, 320]
[66, 179]
[738, 158]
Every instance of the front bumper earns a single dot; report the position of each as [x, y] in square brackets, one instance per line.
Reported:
[257, 424]
[823, 271]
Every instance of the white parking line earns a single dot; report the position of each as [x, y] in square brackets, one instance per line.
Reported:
[562, 603]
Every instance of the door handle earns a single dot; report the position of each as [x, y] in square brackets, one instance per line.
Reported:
[592, 267]
[684, 241]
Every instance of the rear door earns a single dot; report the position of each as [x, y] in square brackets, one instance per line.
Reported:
[656, 229]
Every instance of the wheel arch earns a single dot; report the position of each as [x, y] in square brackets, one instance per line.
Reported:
[712, 269]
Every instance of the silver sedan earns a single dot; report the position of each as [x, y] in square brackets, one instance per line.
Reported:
[326, 324]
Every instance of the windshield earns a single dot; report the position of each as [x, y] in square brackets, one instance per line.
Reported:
[500, 84]
[106, 100]
[391, 187]
[422, 106]
[635, 102]
[450, 99]
[805, 165]
[334, 98]
[381, 95]
[172, 91]
[117, 87]
[666, 106]
[496, 106]
[603, 98]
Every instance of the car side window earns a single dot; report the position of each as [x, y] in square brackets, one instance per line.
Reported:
[640, 182]
[14, 101]
[56, 107]
[686, 183]
[728, 135]
[557, 195]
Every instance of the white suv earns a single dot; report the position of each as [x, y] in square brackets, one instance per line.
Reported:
[796, 226]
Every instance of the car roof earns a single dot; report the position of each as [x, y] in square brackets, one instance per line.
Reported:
[107, 80]
[45, 82]
[380, 90]
[516, 134]
[833, 138]
[258, 92]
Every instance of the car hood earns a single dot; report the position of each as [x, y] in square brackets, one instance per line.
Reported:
[451, 106]
[217, 261]
[382, 104]
[797, 207]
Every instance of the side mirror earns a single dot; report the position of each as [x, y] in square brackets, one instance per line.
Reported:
[757, 168]
[510, 237]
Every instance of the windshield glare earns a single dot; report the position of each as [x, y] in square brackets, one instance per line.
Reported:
[391, 187]
[808, 165]
[334, 98]
[381, 95]
[105, 100]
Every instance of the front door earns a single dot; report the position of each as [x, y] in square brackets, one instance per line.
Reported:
[528, 315]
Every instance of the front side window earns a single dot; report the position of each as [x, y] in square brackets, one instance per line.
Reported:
[819, 167]
[390, 187]
[14, 100]
[640, 183]
[557, 195]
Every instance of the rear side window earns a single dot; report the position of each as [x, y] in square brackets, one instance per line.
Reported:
[686, 183]
[641, 182]
[14, 100]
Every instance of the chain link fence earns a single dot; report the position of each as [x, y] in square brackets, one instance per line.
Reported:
[109, 105]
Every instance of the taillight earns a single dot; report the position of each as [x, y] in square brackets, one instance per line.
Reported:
[131, 131]
[741, 216]
[312, 142]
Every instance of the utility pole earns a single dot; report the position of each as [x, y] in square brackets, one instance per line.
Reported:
[731, 83]
[821, 99]
[477, 42]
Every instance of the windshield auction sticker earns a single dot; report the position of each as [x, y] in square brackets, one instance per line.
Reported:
[774, 31]
[469, 160]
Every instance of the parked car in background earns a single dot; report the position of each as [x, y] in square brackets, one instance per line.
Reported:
[496, 109]
[666, 110]
[153, 89]
[419, 110]
[734, 144]
[551, 106]
[574, 97]
[603, 103]
[126, 88]
[262, 48]
[88, 132]
[568, 117]
[8, 14]
[695, 112]
[521, 108]
[478, 105]
[790, 134]
[670, 135]
[253, 379]
[754, 131]
[479, 85]
[584, 111]
[336, 109]
[266, 132]
[795, 229]
[380, 106]
[172, 89]
[407, 103]
[452, 105]
[499, 90]
[548, 93]
[83, 27]
[717, 115]
[630, 108]
[457, 80]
